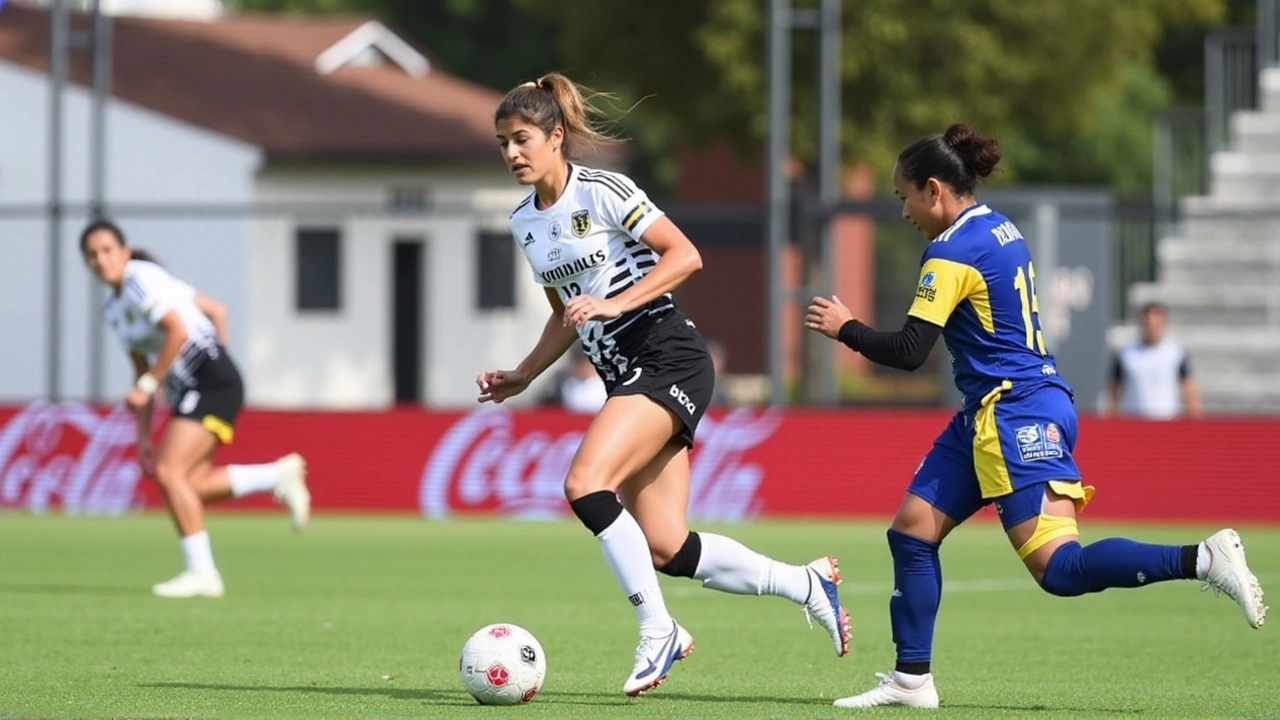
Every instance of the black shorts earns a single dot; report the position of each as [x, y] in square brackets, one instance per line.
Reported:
[214, 399]
[669, 363]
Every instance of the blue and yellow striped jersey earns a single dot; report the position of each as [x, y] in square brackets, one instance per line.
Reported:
[978, 283]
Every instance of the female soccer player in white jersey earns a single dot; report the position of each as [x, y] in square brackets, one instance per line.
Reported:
[1011, 444]
[176, 338]
[608, 260]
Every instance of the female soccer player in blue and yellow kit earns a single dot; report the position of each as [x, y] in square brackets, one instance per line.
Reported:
[1011, 443]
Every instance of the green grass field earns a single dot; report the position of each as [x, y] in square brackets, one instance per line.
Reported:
[364, 617]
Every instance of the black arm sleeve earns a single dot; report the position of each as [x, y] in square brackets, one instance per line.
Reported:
[1117, 370]
[1184, 369]
[905, 349]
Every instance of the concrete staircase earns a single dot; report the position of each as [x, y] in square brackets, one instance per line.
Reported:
[1221, 278]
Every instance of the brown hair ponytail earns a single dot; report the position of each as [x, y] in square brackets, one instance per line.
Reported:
[555, 100]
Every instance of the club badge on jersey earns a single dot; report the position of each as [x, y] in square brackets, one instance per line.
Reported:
[589, 243]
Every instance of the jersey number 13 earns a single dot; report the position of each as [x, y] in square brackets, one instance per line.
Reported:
[1025, 283]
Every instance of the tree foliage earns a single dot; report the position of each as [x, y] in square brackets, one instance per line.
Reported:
[909, 66]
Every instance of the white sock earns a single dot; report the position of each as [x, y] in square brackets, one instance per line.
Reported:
[196, 550]
[250, 479]
[729, 566]
[1203, 558]
[910, 682]
[627, 552]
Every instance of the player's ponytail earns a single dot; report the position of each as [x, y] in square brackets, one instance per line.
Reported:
[555, 100]
[959, 157]
[143, 255]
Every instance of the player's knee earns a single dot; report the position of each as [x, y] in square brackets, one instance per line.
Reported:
[907, 547]
[597, 510]
[169, 474]
[681, 561]
[1064, 573]
[584, 479]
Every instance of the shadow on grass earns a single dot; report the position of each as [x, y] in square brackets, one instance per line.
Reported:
[430, 695]
[69, 589]
[1044, 708]
[459, 697]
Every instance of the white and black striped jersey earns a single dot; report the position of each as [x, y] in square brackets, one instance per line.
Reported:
[147, 294]
[589, 243]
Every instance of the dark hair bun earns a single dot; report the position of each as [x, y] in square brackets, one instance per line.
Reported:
[979, 153]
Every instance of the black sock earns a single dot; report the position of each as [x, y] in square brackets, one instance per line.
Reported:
[1190, 553]
[685, 562]
[912, 668]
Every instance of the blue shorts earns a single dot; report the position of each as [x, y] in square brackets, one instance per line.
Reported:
[1003, 452]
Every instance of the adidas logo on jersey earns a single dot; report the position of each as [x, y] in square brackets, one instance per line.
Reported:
[683, 399]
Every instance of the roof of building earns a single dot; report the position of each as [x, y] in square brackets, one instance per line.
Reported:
[334, 88]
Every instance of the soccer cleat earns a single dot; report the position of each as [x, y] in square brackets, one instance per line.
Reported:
[654, 658]
[191, 584]
[891, 692]
[292, 490]
[824, 602]
[1229, 573]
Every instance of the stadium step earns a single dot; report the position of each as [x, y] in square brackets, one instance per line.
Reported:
[1223, 261]
[1244, 175]
[1217, 351]
[1255, 132]
[1235, 306]
[1269, 85]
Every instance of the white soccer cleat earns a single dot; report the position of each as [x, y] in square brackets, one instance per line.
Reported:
[190, 584]
[292, 490]
[891, 692]
[1229, 573]
[654, 659]
[824, 603]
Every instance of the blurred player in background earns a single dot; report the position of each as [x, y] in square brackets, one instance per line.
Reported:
[176, 338]
[608, 260]
[1012, 442]
[1151, 378]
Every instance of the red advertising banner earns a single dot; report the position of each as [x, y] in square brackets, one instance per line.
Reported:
[748, 462]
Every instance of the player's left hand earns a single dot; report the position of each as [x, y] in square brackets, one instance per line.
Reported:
[136, 399]
[827, 316]
[584, 307]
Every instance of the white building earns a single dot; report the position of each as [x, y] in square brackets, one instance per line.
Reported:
[342, 196]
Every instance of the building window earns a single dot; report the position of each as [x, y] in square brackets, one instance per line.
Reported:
[319, 268]
[409, 199]
[496, 271]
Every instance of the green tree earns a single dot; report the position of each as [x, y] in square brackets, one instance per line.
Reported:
[1111, 145]
[908, 67]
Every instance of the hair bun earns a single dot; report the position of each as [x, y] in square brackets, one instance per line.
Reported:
[959, 135]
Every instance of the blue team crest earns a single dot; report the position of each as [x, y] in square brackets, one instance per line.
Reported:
[927, 291]
[1039, 442]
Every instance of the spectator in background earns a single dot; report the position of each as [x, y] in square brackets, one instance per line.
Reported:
[718, 359]
[1152, 377]
[580, 388]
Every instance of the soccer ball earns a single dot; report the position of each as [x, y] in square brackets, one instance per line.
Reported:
[502, 664]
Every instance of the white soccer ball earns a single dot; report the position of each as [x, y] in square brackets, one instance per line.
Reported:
[502, 664]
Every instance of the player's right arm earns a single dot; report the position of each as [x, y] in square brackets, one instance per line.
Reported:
[146, 454]
[943, 284]
[498, 385]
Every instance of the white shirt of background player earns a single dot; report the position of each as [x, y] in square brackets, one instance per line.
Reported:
[137, 315]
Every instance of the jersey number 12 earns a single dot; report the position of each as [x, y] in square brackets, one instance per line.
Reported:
[1025, 284]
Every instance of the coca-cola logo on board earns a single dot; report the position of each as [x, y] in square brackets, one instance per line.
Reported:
[481, 463]
[67, 455]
